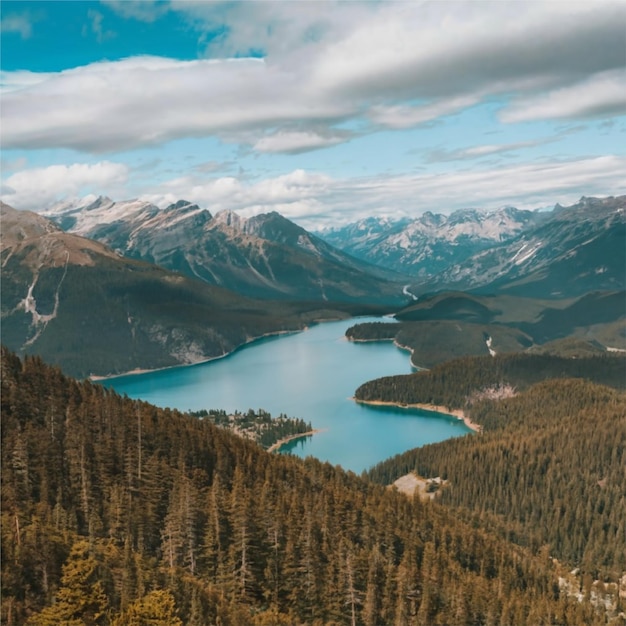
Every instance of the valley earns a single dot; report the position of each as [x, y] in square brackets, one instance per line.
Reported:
[312, 313]
[230, 531]
[99, 313]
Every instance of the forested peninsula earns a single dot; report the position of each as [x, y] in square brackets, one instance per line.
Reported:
[547, 469]
[115, 512]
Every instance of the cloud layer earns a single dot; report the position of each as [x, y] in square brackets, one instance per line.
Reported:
[389, 65]
[314, 200]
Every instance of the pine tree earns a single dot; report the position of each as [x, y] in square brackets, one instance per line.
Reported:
[81, 600]
[158, 608]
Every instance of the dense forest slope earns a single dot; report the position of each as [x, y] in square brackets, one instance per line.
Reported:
[117, 512]
[456, 384]
[548, 468]
[447, 325]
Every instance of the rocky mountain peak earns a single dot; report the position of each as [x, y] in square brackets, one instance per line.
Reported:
[229, 218]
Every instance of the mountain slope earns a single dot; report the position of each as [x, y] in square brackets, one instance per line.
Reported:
[78, 304]
[263, 256]
[430, 243]
[577, 249]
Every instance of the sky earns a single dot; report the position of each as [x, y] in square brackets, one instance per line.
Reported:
[327, 112]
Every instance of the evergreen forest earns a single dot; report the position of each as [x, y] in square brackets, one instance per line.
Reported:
[115, 512]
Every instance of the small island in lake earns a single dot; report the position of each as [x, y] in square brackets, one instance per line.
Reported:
[270, 433]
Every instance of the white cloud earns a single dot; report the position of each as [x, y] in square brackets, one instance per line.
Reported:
[315, 199]
[603, 94]
[21, 79]
[396, 64]
[141, 10]
[447, 49]
[37, 188]
[96, 27]
[483, 150]
[148, 101]
[294, 142]
[400, 116]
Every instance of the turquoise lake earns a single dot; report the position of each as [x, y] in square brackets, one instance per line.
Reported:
[312, 375]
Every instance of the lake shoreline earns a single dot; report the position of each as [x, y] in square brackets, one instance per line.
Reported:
[310, 375]
[275, 447]
[400, 346]
[458, 413]
[137, 371]
[96, 377]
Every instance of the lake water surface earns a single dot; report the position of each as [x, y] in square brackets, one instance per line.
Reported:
[312, 375]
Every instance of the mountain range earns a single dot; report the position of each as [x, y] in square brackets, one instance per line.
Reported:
[105, 287]
[562, 253]
[81, 305]
[265, 256]
[429, 244]
[572, 251]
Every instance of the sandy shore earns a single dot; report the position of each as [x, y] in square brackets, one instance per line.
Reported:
[428, 407]
[281, 442]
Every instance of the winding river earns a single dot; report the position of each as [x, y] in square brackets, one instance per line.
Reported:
[312, 375]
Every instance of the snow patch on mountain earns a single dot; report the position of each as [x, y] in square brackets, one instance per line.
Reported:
[432, 242]
[527, 253]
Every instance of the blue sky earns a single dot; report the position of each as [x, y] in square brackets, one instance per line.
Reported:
[324, 111]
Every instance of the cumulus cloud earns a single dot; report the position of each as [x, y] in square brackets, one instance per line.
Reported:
[325, 64]
[37, 188]
[22, 79]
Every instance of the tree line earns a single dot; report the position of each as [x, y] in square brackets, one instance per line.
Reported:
[456, 383]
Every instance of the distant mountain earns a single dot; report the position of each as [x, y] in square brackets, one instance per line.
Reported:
[80, 305]
[262, 256]
[574, 250]
[432, 242]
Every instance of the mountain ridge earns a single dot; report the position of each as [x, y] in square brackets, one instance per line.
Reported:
[575, 250]
[266, 255]
[430, 243]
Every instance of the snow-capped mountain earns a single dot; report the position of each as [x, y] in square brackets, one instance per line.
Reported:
[574, 250]
[263, 256]
[432, 242]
